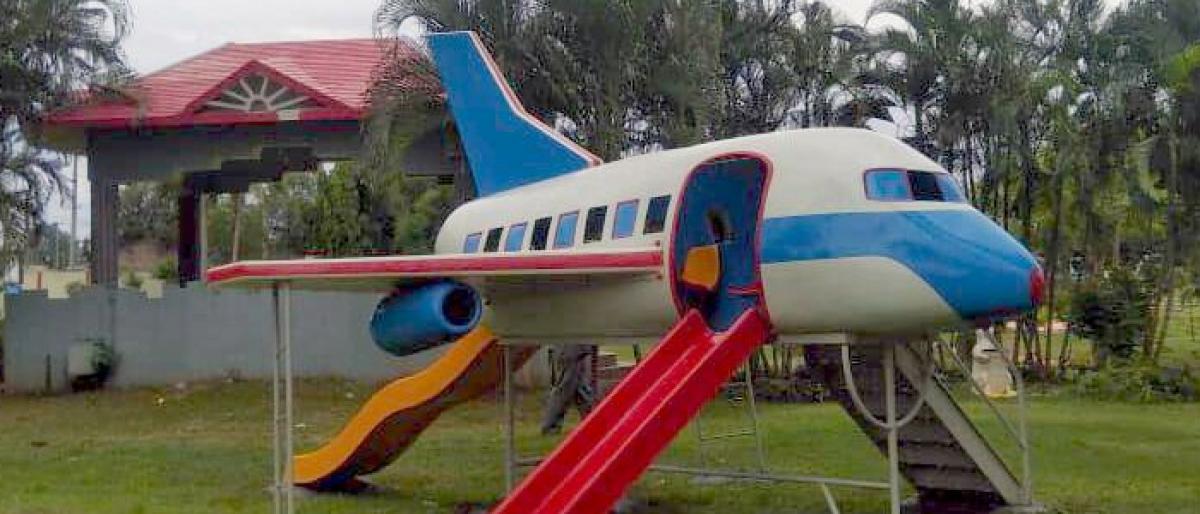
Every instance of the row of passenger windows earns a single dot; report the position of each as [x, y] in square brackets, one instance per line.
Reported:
[624, 223]
[908, 185]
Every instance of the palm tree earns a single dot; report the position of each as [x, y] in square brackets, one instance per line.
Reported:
[583, 61]
[1159, 41]
[825, 55]
[918, 63]
[49, 50]
[756, 83]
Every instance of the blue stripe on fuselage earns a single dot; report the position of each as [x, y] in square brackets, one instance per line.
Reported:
[974, 265]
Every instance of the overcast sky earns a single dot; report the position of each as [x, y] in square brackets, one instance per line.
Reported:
[166, 31]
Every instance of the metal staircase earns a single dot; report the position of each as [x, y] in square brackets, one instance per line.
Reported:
[940, 451]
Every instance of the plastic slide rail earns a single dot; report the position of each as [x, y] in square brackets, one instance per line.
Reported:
[613, 445]
[394, 416]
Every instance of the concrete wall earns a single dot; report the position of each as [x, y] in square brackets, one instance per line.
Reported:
[195, 334]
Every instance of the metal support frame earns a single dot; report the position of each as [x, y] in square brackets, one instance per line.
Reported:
[1021, 432]
[282, 407]
[510, 438]
[891, 424]
[512, 461]
[281, 401]
[893, 439]
[752, 408]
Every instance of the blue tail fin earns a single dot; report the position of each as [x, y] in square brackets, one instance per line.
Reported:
[506, 146]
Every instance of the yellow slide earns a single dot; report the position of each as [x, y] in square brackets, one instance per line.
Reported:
[393, 418]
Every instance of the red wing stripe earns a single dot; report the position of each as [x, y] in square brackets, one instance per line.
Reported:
[349, 268]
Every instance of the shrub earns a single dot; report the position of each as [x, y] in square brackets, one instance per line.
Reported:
[104, 359]
[1114, 312]
[167, 270]
[1127, 381]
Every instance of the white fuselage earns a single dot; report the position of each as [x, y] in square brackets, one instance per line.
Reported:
[813, 172]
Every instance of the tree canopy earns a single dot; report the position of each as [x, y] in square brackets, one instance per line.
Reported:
[1075, 128]
[50, 50]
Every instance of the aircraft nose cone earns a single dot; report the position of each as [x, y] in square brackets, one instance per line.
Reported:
[1037, 286]
[1012, 280]
[978, 268]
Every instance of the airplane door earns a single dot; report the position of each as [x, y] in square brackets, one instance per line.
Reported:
[721, 205]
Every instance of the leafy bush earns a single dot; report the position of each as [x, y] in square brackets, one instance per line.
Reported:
[167, 270]
[1114, 312]
[104, 359]
[1136, 382]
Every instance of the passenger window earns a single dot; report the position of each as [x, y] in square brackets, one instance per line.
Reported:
[888, 185]
[493, 240]
[925, 186]
[564, 235]
[593, 228]
[516, 236]
[949, 187]
[624, 219]
[471, 244]
[541, 234]
[656, 214]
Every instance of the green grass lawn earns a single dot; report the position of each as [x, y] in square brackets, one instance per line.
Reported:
[207, 449]
[1182, 345]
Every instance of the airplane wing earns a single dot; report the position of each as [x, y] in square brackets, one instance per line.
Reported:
[385, 273]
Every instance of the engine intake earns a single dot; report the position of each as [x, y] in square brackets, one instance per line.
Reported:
[424, 316]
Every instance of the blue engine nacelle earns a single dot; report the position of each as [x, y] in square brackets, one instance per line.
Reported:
[424, 316]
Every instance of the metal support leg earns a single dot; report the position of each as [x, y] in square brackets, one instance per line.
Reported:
[830, 502]
[276, 441]
[758, 438]
[510, 444]
[893, 445]
[754, 430]
[281, 392]
[1022, 431]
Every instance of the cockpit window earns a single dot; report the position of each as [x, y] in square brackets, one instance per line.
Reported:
[889, 185]
[925, 186]
[950, 190]
[909, 185]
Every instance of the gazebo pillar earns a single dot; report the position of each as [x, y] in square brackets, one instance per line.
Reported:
[190, 223]
[104, 228]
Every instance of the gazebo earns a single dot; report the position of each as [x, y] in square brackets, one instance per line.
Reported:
[232, 116]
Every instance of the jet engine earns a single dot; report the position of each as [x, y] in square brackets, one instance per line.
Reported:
[423, 316]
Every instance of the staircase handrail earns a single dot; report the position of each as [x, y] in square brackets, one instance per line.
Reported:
[848, 378]
[1020, 432]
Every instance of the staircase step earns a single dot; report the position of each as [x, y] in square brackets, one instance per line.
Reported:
[614, 372]
[934, 454]
[868, 385]
[931, 458]
[606, 360]
[931, 477]
[904, 406]
[608, 378]
[919, 431]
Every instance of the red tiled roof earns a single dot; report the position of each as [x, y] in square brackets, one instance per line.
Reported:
[338, 73]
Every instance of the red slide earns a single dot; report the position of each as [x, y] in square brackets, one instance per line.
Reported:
[598, 461]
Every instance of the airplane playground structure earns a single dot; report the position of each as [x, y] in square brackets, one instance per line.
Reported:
[844, 241]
